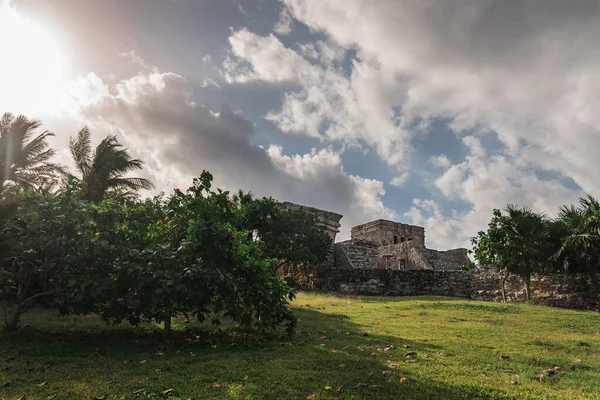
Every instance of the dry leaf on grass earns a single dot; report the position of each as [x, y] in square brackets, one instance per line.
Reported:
[43, 384]
[576, 360]
[143, 362]
[167, 391]
[504, 358]
[360, 385]
[402, 380]
[311, 397]
[217, 386]
[328, 388]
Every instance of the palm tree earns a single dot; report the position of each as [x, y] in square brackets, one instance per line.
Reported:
[103, 170]
[580, 250]
[24, 157]
[527, 231]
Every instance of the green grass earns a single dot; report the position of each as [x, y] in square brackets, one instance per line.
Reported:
[357, 344]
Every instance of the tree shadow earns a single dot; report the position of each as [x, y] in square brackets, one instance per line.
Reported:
[329, 356]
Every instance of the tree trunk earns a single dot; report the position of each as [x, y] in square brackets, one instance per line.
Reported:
[168, 315]
[528, 287]
[503, 287]
[594, 281]
[13, 321]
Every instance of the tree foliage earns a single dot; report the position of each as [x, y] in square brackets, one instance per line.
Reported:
[292, 236]
[514, 243]
[579, 250]
[25, 157]
[104, 169]
[145, 261]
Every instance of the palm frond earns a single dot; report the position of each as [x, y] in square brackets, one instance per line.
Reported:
[81, 150]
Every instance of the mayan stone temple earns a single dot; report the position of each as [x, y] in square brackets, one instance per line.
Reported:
[386, 244]
[383, 258]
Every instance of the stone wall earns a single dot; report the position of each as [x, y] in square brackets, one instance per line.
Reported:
[393, 282]
[401, 256]
[479, 285]
[355, 254]
[383, 232]
[487, 286]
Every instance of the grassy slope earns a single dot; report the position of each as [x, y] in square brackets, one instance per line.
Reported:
[464, 338]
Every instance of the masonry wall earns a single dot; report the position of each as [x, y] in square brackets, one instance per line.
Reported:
[479, 285]
[383, 282]
[401, 256]
[487, 286]
[382, 232]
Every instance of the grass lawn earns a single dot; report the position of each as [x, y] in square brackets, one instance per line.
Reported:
[347, 347]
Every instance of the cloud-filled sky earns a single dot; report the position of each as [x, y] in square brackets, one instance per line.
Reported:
[425, 112]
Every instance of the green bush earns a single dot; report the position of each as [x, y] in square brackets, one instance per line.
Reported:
[148, 260]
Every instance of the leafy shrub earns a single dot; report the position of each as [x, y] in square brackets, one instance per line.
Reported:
[148, 260]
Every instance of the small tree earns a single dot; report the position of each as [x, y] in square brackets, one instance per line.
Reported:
[33, 243]
[513, 244]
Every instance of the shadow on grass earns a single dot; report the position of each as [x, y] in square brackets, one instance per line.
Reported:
[329, 356]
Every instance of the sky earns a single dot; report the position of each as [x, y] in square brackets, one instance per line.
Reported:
[424, 112]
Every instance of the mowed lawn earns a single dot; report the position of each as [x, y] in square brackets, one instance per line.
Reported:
[346, 347]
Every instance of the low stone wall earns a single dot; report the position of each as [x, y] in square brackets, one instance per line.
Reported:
[480, 285]
[486, 285]
[393, 282]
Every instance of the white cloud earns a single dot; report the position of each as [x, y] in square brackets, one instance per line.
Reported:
[326, 103]
[284, 24]
[400, 180]
[485, 183]
[210, 82]
[441, 161]
[524, 72]
[154, 115]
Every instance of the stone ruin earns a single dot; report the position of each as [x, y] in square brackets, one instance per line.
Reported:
[383, 244]
[389, 258]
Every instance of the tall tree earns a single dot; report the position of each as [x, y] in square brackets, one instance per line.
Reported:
[24, 155]
[580, 249]
[104, 169]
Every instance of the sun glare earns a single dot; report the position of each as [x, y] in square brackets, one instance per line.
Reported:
[33, 67]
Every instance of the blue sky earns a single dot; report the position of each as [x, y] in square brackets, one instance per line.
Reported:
[425, 112]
